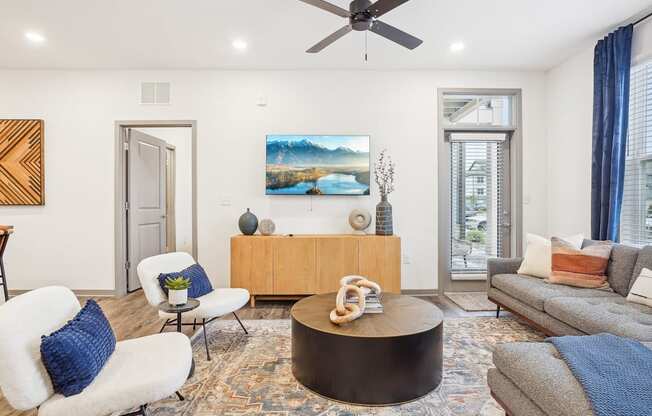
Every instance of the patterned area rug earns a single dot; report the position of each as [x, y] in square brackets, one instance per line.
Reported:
[252, 375]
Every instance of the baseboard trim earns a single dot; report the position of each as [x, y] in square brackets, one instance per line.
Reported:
[420, 292]
[86, 293]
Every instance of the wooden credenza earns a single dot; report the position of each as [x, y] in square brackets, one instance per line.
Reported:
[312, 264]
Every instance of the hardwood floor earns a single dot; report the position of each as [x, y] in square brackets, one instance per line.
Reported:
[132, 317]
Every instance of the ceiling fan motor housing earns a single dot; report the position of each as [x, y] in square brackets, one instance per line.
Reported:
[360, 18]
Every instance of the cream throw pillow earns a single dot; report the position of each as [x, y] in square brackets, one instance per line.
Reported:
[537, 261]
[642, 289]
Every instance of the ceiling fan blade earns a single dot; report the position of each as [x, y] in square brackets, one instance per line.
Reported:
[395, 35]
[329, 7]
[381, 7]
[330, 39]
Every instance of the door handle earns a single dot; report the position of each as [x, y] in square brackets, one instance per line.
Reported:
[163, 216]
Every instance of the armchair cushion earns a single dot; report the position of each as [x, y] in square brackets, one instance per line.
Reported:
[141, 370]
[24, 380]
[74, 354]
[200, 285]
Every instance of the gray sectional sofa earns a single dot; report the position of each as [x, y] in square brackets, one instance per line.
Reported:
[530, 379]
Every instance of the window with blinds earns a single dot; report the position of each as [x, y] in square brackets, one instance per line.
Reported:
[478, 185]
[636, 214]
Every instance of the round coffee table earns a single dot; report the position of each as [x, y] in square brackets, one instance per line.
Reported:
[378, 359]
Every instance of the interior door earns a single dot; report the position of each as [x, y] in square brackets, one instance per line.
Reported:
[146, 200]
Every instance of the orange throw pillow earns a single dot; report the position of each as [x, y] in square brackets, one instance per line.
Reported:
[585, 267]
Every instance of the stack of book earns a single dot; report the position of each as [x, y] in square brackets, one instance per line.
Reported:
[372, 301]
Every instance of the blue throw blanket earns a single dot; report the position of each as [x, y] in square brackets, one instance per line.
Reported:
[615, 372]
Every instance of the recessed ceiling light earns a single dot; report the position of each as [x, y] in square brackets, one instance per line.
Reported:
[239, 45]
[457, 46]
[34, 37]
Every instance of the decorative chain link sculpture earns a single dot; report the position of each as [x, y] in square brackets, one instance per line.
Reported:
[344, 312]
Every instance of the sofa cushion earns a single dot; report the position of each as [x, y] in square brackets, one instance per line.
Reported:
[534, 292]
[510, 396]
[644, 260]
[585, 267]
[538, 370]
[595, 315]
[621, 266]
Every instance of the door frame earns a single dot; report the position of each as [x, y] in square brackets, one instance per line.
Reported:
[120, 213]
[443, 183]
[170, 197]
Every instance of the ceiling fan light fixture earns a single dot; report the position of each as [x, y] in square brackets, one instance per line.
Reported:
[363, 16]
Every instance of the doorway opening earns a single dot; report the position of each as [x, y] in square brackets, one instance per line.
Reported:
[155, 194]
[479, 186]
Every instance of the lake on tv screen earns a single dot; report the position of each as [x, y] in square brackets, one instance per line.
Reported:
[317, 165]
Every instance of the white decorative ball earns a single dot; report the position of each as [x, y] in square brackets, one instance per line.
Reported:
[267, 227]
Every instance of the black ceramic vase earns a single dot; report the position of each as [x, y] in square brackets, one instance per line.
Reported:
[384, 217]
[248, 223]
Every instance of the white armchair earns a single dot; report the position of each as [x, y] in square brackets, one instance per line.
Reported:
[132, 377]
[220, 302]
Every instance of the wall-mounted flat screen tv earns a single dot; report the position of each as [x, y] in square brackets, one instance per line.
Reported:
[317, 165]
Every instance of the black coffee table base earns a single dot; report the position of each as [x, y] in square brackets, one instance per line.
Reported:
[368, 371]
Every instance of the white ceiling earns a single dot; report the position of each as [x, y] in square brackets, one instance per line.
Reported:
[166, 34]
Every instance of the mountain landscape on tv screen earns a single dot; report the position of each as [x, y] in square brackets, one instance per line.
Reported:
[315, 166]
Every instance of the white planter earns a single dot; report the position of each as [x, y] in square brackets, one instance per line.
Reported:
[178, 297]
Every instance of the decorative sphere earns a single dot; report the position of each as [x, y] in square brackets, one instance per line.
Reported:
[267, 227]
[359, 219]
[248, 223]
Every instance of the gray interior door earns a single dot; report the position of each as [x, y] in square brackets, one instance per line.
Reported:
[146, 200]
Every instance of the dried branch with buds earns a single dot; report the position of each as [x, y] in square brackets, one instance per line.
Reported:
[384, 173]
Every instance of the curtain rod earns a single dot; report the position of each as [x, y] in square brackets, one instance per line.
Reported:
[642, 18]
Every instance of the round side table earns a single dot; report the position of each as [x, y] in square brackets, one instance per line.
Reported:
[178, 309]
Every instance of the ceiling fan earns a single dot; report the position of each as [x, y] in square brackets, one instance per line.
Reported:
[363, 15]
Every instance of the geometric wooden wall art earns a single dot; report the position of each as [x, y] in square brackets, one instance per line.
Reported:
[21, 162]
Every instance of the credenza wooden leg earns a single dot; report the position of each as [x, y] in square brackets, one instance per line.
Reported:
[252, 301]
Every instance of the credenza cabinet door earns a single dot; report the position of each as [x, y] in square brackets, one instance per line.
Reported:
[336, 258]
[295, 266]
[252, 265]
[379, 260]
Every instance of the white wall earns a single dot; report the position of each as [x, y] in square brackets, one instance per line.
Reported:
[70, 240]
[569, 112]
[181, 139]
[569, 123]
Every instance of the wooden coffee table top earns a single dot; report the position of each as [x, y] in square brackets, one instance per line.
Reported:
[403, 315]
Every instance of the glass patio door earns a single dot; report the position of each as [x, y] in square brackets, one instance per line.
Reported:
[479, 201]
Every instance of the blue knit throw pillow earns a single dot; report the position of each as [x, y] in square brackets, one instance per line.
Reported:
[200, 285]
[75, 354]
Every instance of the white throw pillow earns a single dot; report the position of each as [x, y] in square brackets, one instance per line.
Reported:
[641, 291]
[537, 261]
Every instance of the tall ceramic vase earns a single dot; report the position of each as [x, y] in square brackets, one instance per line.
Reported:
[384, 217]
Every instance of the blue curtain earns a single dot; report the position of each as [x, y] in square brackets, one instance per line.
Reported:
[611, 65]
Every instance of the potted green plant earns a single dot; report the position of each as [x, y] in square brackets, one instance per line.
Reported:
[177, 290]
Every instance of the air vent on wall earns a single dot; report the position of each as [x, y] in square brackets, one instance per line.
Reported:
[155, 93]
